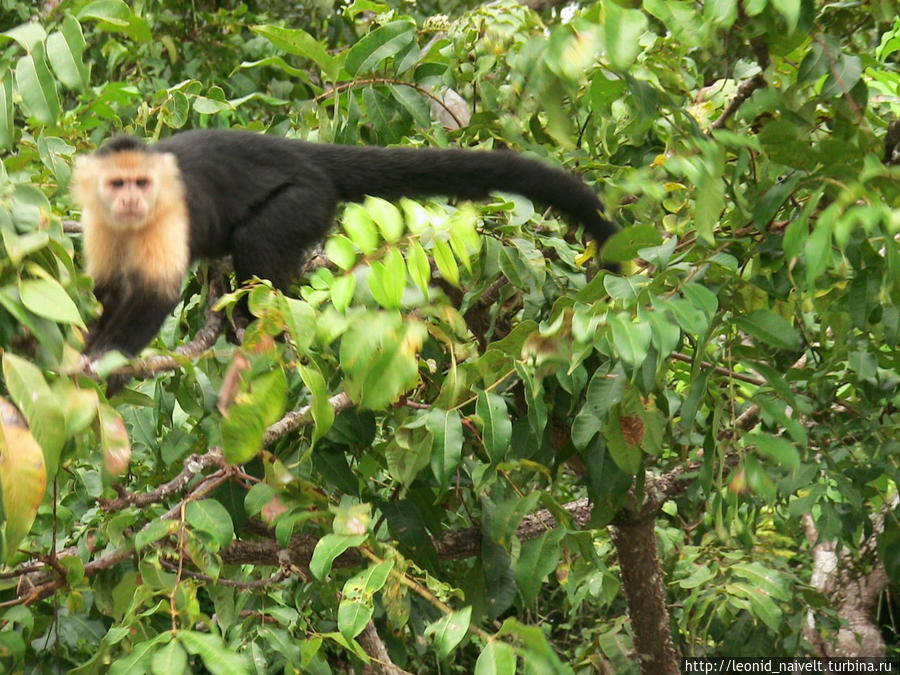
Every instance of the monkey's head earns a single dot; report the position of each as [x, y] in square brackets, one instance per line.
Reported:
[120, 183]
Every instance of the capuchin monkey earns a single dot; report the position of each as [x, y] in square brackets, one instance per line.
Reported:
[149, 211]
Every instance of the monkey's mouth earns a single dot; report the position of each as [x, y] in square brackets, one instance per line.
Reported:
[132, 219]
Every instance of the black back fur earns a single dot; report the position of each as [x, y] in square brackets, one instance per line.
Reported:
[237, 180]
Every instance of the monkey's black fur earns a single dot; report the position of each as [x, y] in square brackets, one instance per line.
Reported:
[265, 199]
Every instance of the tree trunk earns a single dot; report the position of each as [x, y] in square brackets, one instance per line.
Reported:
[642, 582]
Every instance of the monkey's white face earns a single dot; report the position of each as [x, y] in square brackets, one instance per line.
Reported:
[128, 197]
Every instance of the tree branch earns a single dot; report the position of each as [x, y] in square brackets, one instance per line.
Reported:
[303, 416]
[193, 466]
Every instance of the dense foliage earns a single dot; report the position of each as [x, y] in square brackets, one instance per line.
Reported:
[464, 378]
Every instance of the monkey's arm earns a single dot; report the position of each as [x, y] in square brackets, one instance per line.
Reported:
[129, 320]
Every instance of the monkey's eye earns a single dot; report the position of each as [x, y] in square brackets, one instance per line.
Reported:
[142, 182]
[117, 183]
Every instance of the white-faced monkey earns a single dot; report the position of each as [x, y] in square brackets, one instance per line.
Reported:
[149, 211]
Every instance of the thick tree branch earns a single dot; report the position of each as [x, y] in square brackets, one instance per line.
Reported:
[853, 583]
[645, 594]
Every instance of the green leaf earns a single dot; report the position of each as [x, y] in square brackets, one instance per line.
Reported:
[843, 75]
[418, 218]
[779, 449]
[681, 18]
[219, 658]
[41, 407]
[366, 583]
[28, 34]
[209, 516]
[154, 531]
[816, 62]
[765, 580]
[65, 50]
[699, 577]
[464, 237]
[275, 62]
[379, 358]
[771, 328]
[381, 112]
[45, 297]
[535, 648]
[446, 452]
[496, 425]
[775, 196]
[387, 218]
[783, 142]
[243, 432]
[790, 10]
[665, 336]
[446, 263]
[417, 264]
[37, 87]
[605, 91]
[352, 617]
[175, 110]
[322, 411]
[709, 201]
[244, 427]
[56, 155]
[7, 129]
[409, 452]
[23, 478]
[140, 656]
[691, 319]
[624, 288]
[382, 43]
[622, 31]
[448, 631]
[538, 558]
[204, 105]
[702, 298]
[170, 660]
[507, 514]
[626, 455]
[497, 658]
[342, 291]
[604, 391]
[359, 226]
[116, 16]
[761, 605]
[328, 548]
[631, 340]
[301, 321]
[623, 246]
[889, 547]
[298, 41]
[414, 103]
[341, 251]
[387, 280]
[817, 250]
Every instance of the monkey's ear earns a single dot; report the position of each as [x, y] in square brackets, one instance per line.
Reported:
[85, 164]
[84, 179]
[169, 174]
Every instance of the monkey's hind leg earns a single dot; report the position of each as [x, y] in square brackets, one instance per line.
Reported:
[273, 241]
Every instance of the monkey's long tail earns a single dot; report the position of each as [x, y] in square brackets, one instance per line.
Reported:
[468, 174]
